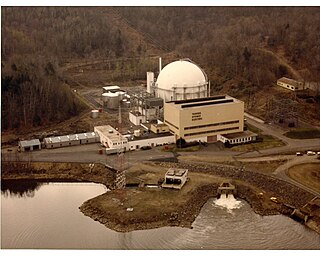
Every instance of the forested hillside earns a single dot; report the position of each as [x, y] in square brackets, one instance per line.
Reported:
[232, 40]
[36, 41]
[243, 50]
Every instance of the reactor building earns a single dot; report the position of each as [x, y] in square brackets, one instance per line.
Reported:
[179, 80]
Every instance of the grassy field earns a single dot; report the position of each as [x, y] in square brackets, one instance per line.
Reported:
[268, 142]
[306, 174]
[303, 133]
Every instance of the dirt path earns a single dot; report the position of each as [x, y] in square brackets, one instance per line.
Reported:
[283, 61]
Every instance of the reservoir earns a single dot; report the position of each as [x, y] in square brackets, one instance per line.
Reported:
[46, 215]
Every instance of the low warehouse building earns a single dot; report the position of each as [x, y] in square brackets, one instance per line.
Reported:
[175, 178]
[71, 140]
[29, 145]
[289, 84]
[204, 118]
[150, 140]
[238, 137]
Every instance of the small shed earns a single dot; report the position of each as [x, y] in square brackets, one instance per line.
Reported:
[289, 84]
[175, 178]
[238, 137]
[29, 145]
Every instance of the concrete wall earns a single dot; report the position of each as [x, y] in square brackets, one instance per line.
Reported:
[237, 140]
[211, 116]
[286, 86]
[29, 148]
[159, 129]
[136, 120]
[152, 142]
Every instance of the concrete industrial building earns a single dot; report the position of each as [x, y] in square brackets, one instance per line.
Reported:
[29, 145]
[141, 137]
[289, 84]
[204, 118]
[110, 137]
[175, 178]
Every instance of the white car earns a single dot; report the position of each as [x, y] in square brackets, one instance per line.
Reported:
[311, 153]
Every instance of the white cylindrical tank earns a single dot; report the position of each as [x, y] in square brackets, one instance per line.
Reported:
[94, 113]
[113, 100]
[150, 80]
[104, 96]
[121, 95]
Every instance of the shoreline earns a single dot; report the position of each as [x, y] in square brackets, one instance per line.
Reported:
[179, 211]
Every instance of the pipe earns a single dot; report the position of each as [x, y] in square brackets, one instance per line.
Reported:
[160, 64]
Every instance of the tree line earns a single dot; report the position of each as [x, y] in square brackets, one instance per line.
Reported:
[33, 94]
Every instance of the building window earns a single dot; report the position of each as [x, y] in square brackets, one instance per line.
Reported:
[211, 131]
[210, 125]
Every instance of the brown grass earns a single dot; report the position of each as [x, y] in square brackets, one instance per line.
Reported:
[306, 174]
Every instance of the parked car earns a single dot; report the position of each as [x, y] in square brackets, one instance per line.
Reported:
[299, 154]
[145, 147]
[311, 153]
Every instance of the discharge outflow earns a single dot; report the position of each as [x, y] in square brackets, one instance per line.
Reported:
[228, 202]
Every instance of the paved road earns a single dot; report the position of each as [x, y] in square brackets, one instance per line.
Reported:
[292, 145]
[88, 154]
[280, 172]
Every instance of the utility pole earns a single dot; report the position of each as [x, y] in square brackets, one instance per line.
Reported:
[120, 181]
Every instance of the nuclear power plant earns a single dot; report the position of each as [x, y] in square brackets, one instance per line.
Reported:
[179, 102]
[176, 105]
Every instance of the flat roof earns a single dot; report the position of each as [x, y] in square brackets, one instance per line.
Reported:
[71, 137]
[28, 143]
[289, 81]
[111, 87]
[159, 125]
[111, 133]
[176, 172]
[239, 135]
[207, 101]
[147, 135]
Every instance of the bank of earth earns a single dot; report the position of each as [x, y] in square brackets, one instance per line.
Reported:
[136, 208]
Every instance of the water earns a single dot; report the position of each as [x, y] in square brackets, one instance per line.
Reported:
[47, 216]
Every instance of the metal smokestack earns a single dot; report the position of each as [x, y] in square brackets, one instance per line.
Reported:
[160, 64]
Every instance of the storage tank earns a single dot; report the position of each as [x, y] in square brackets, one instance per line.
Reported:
[128, 104]
[94, 113]
[121, 95]
[104, 97]
[113, 100]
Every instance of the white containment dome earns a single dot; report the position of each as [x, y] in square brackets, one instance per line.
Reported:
[181, 80]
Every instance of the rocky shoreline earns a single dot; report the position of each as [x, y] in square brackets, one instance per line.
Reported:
[181, 213]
